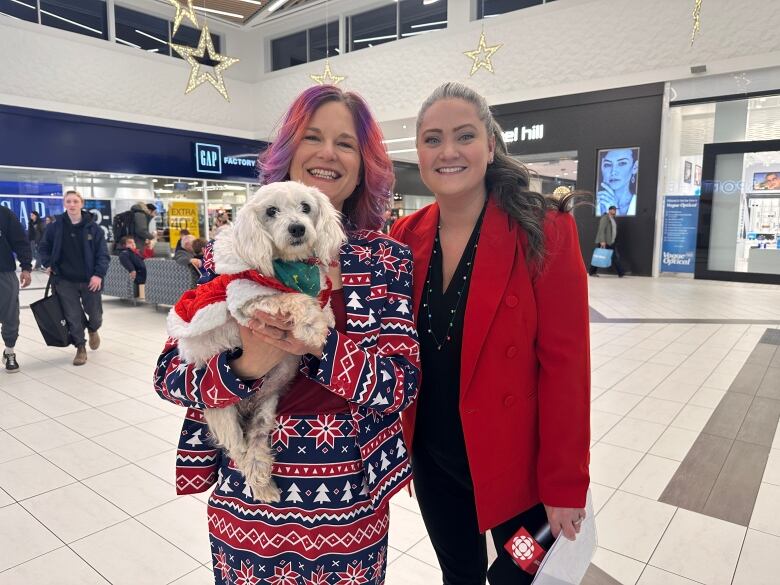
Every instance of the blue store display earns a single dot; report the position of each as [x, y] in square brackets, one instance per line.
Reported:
[681, 219]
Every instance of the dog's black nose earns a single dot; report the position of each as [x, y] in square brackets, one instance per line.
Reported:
[297, 230]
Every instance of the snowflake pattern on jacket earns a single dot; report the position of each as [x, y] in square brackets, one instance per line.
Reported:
[374, 365]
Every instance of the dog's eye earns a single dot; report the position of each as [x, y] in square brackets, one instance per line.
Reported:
[305, 207]
[272, 211]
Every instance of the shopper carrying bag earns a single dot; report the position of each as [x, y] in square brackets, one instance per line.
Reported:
[50, 318]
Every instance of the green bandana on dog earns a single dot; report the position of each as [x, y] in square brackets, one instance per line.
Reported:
[301, 276]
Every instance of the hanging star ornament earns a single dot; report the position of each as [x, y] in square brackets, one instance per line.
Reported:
[327, 78]
[482, 55]
[182, 12]
[696, 20]
[205, 48]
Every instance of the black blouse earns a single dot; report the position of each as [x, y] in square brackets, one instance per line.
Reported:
[438, 427]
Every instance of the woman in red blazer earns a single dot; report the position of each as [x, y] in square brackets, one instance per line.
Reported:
[501, 430]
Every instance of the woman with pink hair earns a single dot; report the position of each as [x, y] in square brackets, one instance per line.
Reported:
[338, 447]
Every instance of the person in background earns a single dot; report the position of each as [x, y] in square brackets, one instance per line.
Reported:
[199, 249]
[606, 237]
[183, 232]
[143, 214]
[148, 249]
[75, 251]
[185, 255]
[35, 228]
[12, 241]
[500, 434]
[132, 261]
[221, 219]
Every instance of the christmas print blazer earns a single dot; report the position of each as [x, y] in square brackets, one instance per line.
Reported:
[374, 365]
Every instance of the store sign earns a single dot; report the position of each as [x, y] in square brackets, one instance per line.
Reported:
[681, 219]
[535, 132]
[208, 158]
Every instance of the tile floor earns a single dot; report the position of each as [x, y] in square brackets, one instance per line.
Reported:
[86, 454]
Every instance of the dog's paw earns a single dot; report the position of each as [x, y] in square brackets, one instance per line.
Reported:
[266, 493]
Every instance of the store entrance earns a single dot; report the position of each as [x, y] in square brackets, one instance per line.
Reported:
[553, 174]
[740, 218]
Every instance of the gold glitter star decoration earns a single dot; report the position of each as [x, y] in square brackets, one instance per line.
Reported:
[482, 55]
[205, 48]
[182, 12]
[327, 78]
[696, 20]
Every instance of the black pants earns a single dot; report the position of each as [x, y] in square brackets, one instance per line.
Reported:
[9, 307]
[77, 299]
[615, 262]
[447, 503]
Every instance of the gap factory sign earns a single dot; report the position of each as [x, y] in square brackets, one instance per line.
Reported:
[208, 159]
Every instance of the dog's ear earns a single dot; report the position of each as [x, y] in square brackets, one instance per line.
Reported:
[226, 261]
[330, 232]
[251, 242]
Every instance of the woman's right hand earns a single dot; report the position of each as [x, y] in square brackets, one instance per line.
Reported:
[258, 356]
[606, 197]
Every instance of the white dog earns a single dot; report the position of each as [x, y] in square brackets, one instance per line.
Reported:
[280, 230]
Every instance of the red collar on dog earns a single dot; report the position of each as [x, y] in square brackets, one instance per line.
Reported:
[215, 291]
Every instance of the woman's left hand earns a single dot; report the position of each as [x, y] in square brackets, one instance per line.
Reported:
[566, 520]
[276, 330]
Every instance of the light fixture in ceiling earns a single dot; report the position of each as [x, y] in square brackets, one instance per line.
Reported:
[392, 140]
[401, 150]
[426, 2]
[276, 5]
[220, 12]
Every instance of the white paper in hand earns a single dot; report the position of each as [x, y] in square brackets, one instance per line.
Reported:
[567, 561]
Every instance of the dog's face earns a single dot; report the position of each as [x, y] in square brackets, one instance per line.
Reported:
[287, 221]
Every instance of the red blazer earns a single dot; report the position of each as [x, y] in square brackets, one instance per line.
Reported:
[525, 364]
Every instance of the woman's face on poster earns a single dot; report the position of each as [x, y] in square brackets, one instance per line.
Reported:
[617, 168]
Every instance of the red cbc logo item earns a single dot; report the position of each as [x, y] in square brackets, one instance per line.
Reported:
[526, 552]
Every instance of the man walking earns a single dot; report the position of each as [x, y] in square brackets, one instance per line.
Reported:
[74, 249]
[606, 237]
[12, 241]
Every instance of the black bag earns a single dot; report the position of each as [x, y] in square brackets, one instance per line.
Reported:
[51, 319]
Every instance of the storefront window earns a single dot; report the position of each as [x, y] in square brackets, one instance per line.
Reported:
[490, 8]
[180, 203]
[86, 17]
[742, 204]
[374, 27]
[22, 9]
[142, 31]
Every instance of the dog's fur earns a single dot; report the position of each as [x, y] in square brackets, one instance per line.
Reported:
[260, 234]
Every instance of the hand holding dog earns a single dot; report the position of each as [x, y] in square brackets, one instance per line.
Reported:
[276, 331]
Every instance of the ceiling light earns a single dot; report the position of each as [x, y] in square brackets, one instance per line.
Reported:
[273, 6]
[401, 150]
[382, 38]
[426, 2]
[128, 43]
[73, 22]
[255, 2]
[222, 12]
[391, 140]
[438, 22]
[23, 4]
[154, 38]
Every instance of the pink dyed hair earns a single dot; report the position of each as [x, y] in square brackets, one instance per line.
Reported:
[372, 196]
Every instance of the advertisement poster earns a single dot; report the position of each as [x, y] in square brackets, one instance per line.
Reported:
[681, 219]
[617, 180]
[101, 209]
[182, 214]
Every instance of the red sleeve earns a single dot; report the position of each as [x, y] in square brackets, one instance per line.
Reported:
[563, 350]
